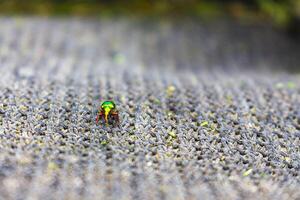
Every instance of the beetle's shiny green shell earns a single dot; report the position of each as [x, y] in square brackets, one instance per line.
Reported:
[108, 104]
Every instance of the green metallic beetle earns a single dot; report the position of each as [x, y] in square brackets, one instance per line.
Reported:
[108, 113]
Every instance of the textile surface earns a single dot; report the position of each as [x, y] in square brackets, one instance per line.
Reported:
[207, 111]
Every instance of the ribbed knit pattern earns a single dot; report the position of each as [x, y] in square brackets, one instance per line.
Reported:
[207, 110]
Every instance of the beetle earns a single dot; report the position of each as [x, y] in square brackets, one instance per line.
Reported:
[108, 113]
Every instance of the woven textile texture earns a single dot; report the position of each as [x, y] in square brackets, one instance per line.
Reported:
[207, 111]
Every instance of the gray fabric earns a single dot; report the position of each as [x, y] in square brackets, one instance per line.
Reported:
[206, 111]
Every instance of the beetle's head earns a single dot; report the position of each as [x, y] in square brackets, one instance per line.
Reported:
[107, 106]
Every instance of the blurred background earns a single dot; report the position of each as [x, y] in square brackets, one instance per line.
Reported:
[281, 13]
[252, 34]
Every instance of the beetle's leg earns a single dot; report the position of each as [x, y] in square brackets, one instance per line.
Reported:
[100, 114]
[97, 119]
[115, 115]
